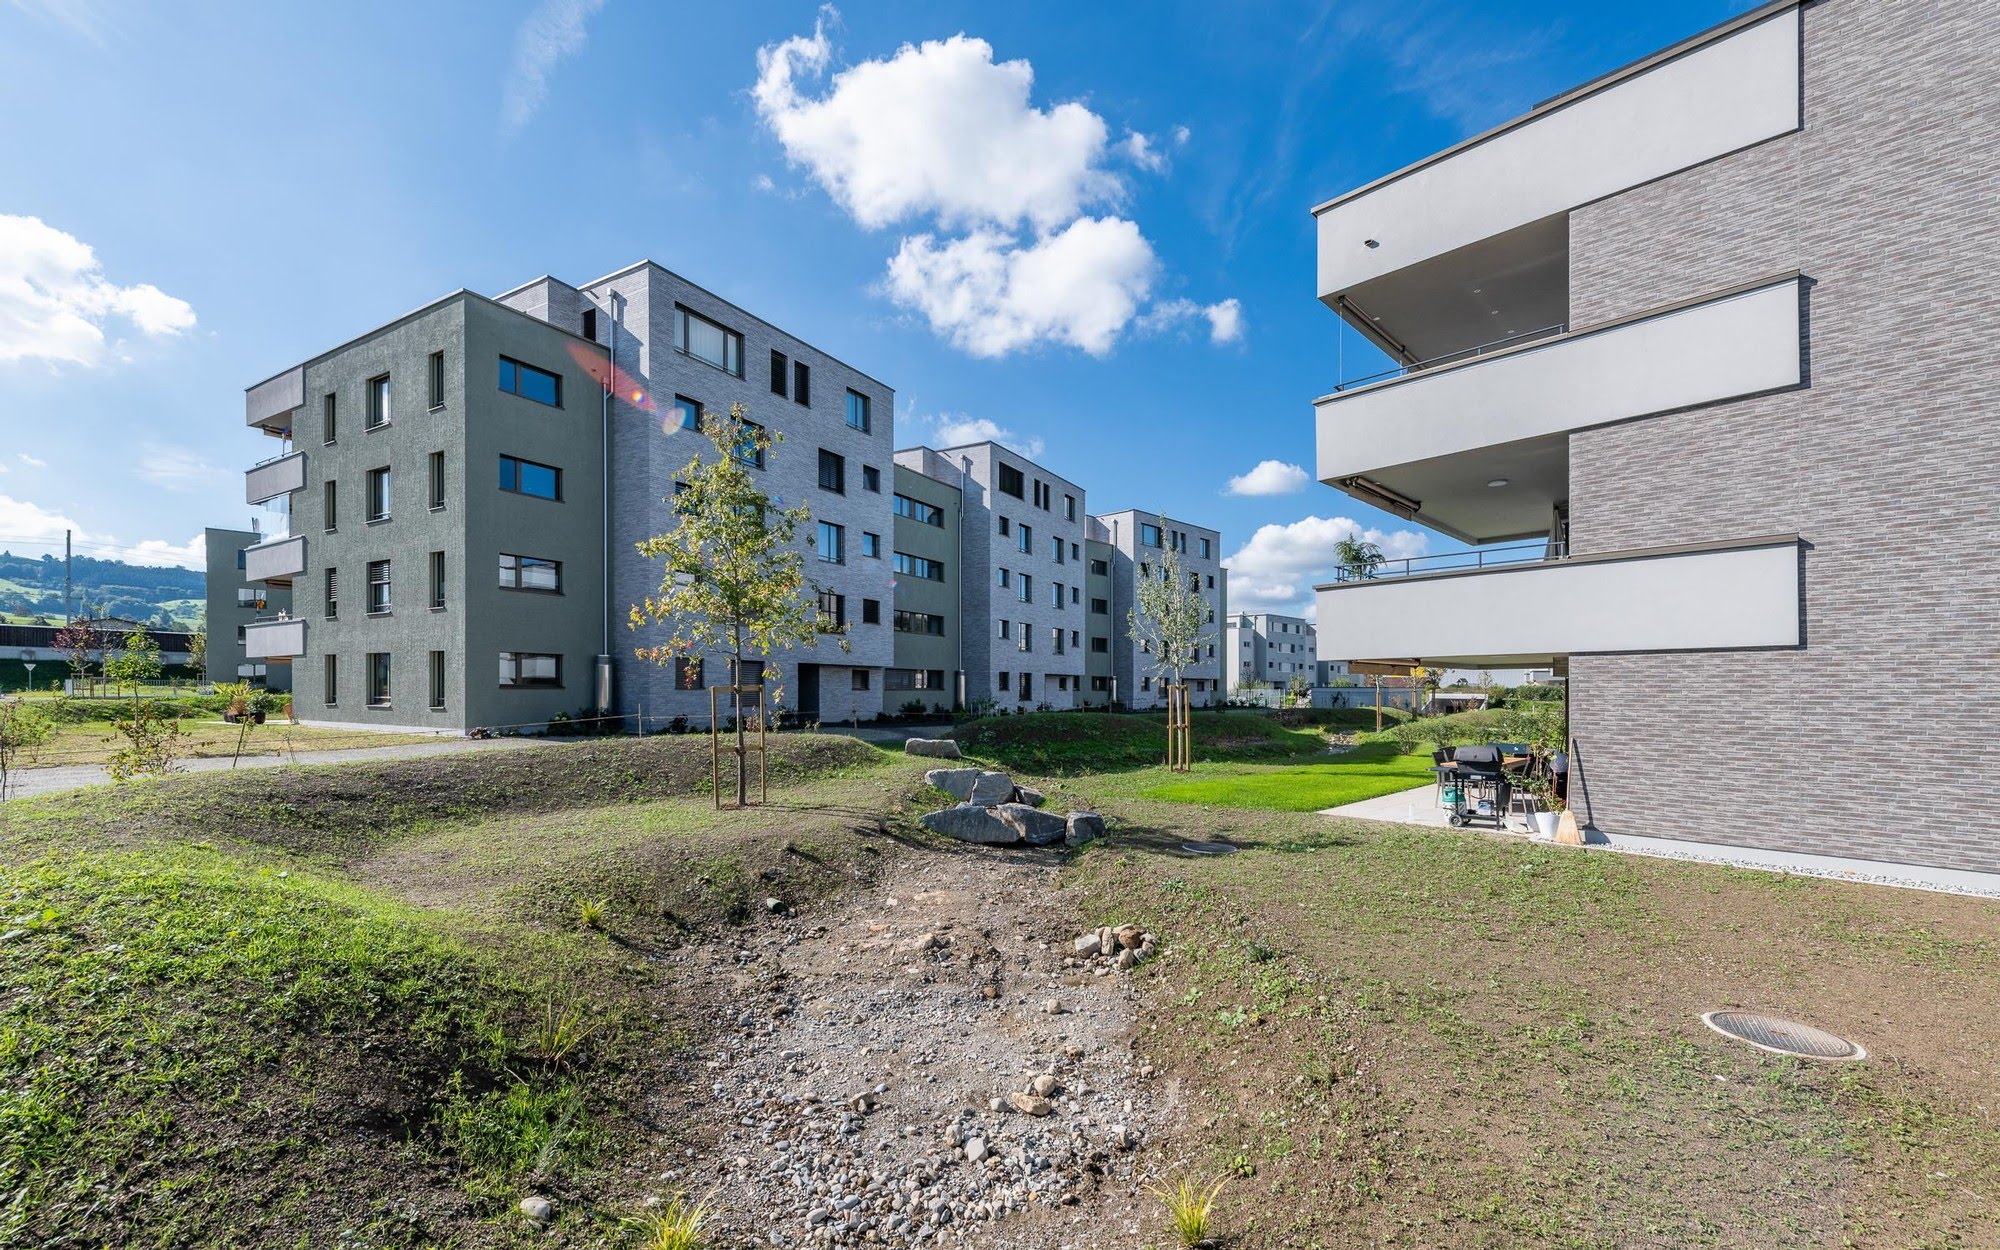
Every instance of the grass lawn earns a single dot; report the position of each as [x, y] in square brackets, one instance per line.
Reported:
[1368, 771]
[207, 736]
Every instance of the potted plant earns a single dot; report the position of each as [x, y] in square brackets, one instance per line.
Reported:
[1548, 807]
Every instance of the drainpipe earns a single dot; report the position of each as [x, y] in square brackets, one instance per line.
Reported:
[602, 686]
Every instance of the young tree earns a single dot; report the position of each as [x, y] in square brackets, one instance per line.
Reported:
[153, 742]
[733, 579]
[137, 660]
[198, 654]
[1300, 687]
[77, 640]
[1357, 558]
[1170, 620]
[23, 727]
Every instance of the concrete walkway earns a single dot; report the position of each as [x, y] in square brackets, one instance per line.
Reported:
[36, 781]
[1411, 807]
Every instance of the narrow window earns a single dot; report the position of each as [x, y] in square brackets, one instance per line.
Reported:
[871, 478]
[330, 504]
[801, 383]
[378, 402]
[437, 381]
[437, 681]
[1006, 527]
[437, 481]
[378, 587]
[832, 472]
[378, 679]
[832, 543]
[437, 580]
[779, 368]
[378, 494]
[1026, 536]
[857, 411]
[332, 679]
[871, 545]
[329, 419]
[1069, 507]
[860, 679]
[332, 594]
[1027, 588]
[590, 324]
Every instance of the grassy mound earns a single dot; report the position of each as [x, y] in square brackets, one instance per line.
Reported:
[216, 1052]
[1062, 744]
[335, 812]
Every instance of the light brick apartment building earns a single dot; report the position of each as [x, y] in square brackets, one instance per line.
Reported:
[1272, 648]
[1645, 331]
[1132, 543]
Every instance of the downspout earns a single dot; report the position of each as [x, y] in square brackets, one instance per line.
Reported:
[603, 685]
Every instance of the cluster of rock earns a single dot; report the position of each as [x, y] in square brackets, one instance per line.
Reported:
[992, 810]
[1124, 946]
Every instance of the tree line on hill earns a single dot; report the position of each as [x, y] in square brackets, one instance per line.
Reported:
[31, 587]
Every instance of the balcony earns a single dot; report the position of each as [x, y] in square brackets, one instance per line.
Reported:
[277, 641]
[250, 597]
[1521, 607]
[1477, 445]
[276, 562]
[271, 405]
[1728, 88]
[280, 475]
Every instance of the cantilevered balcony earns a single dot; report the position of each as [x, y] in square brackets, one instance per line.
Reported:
[273, 404]
[1530, 605]
[275, 562]
[280, 475]
[277, 641]
[1478, 445]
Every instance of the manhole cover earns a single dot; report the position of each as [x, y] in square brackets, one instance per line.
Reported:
[1781, 1037]
[1208, 848]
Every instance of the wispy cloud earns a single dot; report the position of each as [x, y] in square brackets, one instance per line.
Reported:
[955, 429]
[85, 18]
[553, 33]
[27, 525]
[179, 469]
[33, 462]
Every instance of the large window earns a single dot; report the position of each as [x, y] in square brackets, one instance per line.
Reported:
[378, 587]
[1100, 645]
[378, 679]
[530, 573]
[530, 668]
[919, 623]
[1149, 534]
[857, 411]
[378, 402]
[919, 511]
[912, 679]
[705, 340]
[832, 472]
[525, 380]
[378, 494]
[918, 566]
[832, 543]
[1010, 481]
[832, 612]
[525, 477]
[1100, 607]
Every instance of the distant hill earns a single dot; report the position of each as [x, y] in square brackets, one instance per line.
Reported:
[31, 587]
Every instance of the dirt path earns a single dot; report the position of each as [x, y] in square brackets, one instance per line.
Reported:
[851, 1099]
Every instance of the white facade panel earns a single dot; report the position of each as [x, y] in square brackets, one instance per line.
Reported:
[1740, 89]
[1742, 344]
[1680, 601]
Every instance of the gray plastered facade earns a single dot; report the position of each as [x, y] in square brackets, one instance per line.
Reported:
[225, 616]
[1138, 676]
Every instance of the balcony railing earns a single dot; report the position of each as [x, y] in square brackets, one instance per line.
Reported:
[1469, 353]
[279, 475]
[1456, 562]
[279, 639]
[277, 560]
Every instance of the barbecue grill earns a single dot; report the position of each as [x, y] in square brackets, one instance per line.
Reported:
[1474, 787]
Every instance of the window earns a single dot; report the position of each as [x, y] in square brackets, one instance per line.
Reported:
[525, 477]
[437, 481]
[525, 380]
[1149, 534]
[1058, 596]
[1211, 581]
[1006, 628]
[919, 511]
[1058, 552]
[832, 543]
[332, 680]
[832, 472]
[871, 611]
[1099, 607]
[329, 503]
[1003, 680]
[750, 674]
[1027, 636]
[378, 587]
[329, 419]
[1006, 527]
[1027, 588]
[378, 402]
[1100, 684]
[1042, 495]
[437, 580]
[912, 679]
[530, 573]
[1075, 638]
[801, 383]
[1074, 553]
[704, 340]
[779, 367]
[1100, 568]
[687, 413]
[1207, 550]
[1100, 646]
[1069, 507]
[687, 674]
[437, 681]
[378, 494]
[590, 324]
[1010, 481]
[378, 679]
[1027, 689]
[871, 545]
[1025, 534]
[1057, 644]
[530, 668]
[919, 623]
[750, 448]
[1075, 595]
[832, 612]
[860, 679]
[1006, 578]
[332, 594]
[437, 380]
[871, 478]
[919, 566]
[857, 411]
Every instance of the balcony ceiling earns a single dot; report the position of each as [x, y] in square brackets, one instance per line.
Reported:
[1457, 500]
[1511, 284]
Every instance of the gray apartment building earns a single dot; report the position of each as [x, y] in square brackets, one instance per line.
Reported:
[1133, 542]
[1274, 649]
[234, 603]
[1640, 358]
[928, 558]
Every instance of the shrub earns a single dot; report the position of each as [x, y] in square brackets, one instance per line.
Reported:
[1190, 1208]
[681, 1225]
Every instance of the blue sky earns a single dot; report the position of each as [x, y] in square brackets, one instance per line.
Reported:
[1083, 225]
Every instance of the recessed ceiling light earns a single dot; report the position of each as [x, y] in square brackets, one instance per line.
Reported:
[1370, 243]
[1497, 482]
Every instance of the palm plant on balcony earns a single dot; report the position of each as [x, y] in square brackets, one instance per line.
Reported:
[1357, 558]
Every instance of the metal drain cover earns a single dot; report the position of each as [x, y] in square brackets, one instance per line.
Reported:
[1782, 1037]
[1208, 848]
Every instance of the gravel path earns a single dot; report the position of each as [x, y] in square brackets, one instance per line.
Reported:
[36, 781]
[931, 1065]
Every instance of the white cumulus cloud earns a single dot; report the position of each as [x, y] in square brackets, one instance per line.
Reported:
[55, 301]
[1141, 152]
[1277, 569]
[1270, 477]
[1224, 318]
[958, 430]
[29, 526]
[990, 295]
[551, 34]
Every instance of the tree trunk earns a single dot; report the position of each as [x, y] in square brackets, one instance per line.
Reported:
[742, 772]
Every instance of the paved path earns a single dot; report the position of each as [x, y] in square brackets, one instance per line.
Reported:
[35, 781]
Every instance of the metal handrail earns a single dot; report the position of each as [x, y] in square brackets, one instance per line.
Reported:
[1456, 561]
[283, 455]
[1467, 353]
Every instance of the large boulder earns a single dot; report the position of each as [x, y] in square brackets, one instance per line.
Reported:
[1036, 827]
[991, 790]
[972, 824]
[936, 748]
[957, 782]
[1081, 827]
[1029, 795]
